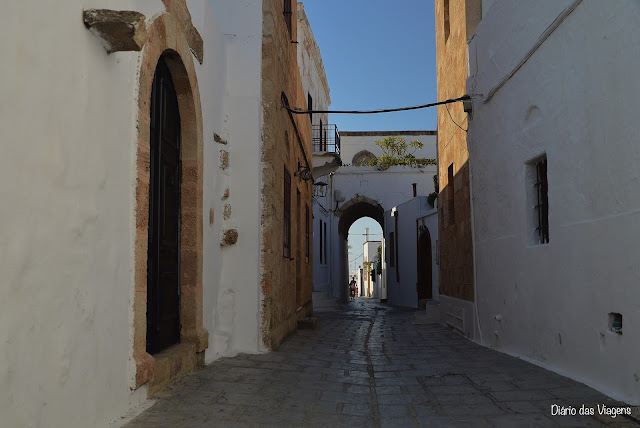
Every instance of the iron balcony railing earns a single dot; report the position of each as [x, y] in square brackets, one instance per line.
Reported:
[326, 138]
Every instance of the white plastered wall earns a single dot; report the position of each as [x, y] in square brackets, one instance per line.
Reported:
[355, 142]
[231, 274]
[312, 72]
[388, 188]
[68, 124]
[404, 292]
[573, 99]
[68, 212]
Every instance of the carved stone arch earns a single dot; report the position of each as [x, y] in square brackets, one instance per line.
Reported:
[357, 207]
[363, 156]
[167, 39]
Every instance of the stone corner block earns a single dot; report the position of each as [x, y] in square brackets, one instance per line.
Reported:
[145, 368]
[229, 237]
[199, 337]
[119, 30]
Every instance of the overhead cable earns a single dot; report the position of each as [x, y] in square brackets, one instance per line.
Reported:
[298, 110]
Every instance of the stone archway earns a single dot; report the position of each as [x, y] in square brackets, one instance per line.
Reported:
[351, 211]
[167, 39]
[362, 157]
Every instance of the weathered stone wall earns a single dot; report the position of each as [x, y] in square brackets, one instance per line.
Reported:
[456, 253]
[282, 302]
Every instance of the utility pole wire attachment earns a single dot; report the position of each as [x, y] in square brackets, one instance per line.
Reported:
[298, 110]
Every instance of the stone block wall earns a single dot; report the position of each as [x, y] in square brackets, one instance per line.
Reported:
[286, 282]
[456, 252]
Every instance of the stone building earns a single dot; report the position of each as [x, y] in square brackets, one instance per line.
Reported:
[554, 166]
[455, 23]
[156, 198]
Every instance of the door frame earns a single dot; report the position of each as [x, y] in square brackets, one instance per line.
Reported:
[167, 39]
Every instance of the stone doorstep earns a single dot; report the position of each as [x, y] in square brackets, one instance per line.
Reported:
[308, 323]
[171, 364]
[431, 313]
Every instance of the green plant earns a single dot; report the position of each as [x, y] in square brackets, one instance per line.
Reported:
[396, 152]
[379, 260]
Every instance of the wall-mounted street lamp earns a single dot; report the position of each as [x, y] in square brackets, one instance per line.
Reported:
[304, 172]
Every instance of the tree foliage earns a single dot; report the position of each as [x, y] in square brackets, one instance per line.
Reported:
[398, 152]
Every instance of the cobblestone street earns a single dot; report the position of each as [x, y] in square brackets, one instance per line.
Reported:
[367, 364]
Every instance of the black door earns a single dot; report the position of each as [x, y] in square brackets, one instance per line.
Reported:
[425, 291]
[163, 276]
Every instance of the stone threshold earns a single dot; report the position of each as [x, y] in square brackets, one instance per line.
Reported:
[172, 364]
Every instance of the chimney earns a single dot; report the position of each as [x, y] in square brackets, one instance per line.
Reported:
[415, 190]
[366, 234]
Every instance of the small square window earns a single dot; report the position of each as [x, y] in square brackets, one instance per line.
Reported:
[537, 201]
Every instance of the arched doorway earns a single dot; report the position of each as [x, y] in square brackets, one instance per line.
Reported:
[424, 262]
[352, 210]
[167, 54]
[163, 260]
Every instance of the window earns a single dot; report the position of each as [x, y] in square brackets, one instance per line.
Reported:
[288, 16]
[451, 206]
[306, 231]
[447, 26]
[310, 106]
[287, 215]
[392, 249]
[363, 157]
[538, 201]
[325, 243]
[321, 243]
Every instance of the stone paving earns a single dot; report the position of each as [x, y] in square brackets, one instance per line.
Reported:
[366, 365]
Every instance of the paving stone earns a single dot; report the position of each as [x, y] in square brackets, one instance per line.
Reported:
[368, 365]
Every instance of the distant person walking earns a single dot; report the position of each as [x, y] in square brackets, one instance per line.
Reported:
[352, 288]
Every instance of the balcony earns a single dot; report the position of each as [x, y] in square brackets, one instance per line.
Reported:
[326, 138]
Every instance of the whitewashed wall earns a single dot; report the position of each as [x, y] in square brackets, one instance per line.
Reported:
[572, 99]
[388, 188]
[369, 253]
[67, 123]
[312, 73]
[231, 293]
[68, 174]
[354, 142]
[321, 211]
[404, 292]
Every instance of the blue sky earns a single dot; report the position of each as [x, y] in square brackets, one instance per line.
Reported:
[377, 54]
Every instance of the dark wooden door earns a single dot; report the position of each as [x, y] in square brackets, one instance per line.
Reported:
[425, 290]
[163, 263]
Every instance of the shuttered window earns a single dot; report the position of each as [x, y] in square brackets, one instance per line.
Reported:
[287, 214]
[288, 16]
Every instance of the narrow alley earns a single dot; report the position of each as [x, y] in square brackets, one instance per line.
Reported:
[368, 364]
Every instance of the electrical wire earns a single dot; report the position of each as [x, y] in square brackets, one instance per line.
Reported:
[298, 110]
[353, 260]
[451, 117]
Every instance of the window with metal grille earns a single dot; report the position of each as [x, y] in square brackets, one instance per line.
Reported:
[538, 201]
[288, 16]
[287, 214]
[392, 249]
